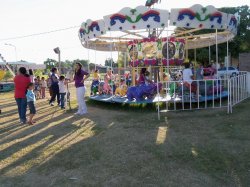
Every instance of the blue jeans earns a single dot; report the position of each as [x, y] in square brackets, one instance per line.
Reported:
[62, 99]
[22, 107]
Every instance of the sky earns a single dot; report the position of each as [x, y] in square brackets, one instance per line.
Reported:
[25, 17]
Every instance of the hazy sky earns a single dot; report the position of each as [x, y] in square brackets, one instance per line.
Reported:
[24, 17]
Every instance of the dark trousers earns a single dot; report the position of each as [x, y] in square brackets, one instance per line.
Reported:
[55, 93]
[62, 99]
[22, 108]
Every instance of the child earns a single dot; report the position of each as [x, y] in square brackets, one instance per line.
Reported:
[37, 88]
[62, 90]
[43, 87]
[95, 82]
[49, 83]
[40, 86]
[31, 102]
[147, 79]
[122, 89]
[106, 87]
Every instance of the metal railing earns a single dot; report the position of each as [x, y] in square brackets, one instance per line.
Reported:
[238, 90]
[203, 94]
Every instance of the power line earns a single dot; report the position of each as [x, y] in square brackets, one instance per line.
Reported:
[37, 34]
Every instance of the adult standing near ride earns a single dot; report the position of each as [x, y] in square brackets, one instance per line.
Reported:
[21, 82]
[55, 87]
[32, 78]
[79, 78]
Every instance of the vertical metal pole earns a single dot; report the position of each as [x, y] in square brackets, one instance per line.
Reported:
[167, 93]
[228, 95]
[198, 95]
[213, 92]
[158, 95]
[182, 96]
[167, 53]
[205, 94]
[95, 56]
[190, 97]
[88, 57]
[195, 55]
[217, 57]
[186, 48]
[209, 52]
[111, 55]
[227, 57]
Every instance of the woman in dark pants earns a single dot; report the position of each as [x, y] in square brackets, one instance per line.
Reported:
[55, 87]
[21, 81]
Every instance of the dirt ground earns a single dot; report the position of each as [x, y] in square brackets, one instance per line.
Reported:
[116, 146]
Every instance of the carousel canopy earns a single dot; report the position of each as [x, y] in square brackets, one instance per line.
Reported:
[113, 32]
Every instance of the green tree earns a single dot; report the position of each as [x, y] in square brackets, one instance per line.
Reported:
[50, 63]
[239, 44]
[122, 57]
[38, 72]
[83, 62]
[7, 76]
[110, 63]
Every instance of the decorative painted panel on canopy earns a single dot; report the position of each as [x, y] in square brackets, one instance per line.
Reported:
[91, 29]
[139, 18]
[198, 17]
[233, 22]
[153, 51]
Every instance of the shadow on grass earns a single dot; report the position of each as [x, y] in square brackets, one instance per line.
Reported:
[145, 107]
[121, 150]
[31, 136]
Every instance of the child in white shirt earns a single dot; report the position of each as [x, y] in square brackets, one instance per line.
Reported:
[62, 90]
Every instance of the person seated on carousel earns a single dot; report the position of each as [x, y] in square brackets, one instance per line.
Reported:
[121, 90]
[128, 79]
[106, 86]
[100, 88]
[166, 76]
[147, 79]
[142, 76]
[188, 79]
[95, 82]
[199, 75]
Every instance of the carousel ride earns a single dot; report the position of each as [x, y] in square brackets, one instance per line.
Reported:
[144, 34]
[5, 86]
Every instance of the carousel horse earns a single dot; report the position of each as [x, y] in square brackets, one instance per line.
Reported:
[142, 91]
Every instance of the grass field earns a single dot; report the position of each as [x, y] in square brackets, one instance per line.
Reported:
[116, 146]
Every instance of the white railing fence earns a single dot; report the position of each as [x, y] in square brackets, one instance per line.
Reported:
[204, 94]
[238, 89]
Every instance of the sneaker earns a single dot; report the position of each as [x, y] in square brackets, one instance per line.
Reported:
[63, 108]
[23, 122]
[51, 104]
[77, 113]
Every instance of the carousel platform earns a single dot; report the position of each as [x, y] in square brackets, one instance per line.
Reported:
[6, 86]
[168, 98]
